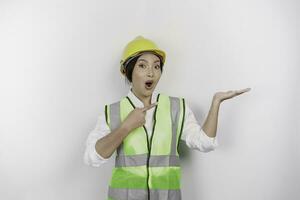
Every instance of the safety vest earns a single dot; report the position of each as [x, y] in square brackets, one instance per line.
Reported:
[147, 170]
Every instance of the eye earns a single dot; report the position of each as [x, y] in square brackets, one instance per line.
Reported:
[157, 67]
[141, 65]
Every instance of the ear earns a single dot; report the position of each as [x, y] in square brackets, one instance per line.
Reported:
[123, 70]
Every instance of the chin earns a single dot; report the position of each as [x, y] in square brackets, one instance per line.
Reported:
[148, 92]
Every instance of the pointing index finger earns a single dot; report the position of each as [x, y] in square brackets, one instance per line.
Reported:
[149, 107]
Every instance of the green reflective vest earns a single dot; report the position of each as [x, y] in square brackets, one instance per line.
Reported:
[148, 169]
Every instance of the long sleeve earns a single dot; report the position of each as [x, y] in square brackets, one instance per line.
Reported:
[194, 136]
[91, 157]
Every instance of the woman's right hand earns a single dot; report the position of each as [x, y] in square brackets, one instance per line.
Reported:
[136, 117]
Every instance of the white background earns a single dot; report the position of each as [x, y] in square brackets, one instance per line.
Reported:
[59, 66]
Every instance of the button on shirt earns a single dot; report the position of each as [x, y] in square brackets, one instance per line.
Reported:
[192, 132]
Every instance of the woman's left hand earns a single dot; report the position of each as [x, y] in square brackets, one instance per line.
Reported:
[221, 96]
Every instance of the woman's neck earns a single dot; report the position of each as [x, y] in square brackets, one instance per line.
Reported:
[146, 100]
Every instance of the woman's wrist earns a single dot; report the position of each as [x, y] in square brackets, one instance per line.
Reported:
[216, 101]
[125, 128]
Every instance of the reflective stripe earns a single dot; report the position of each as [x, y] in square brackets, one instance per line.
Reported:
[165, 194]
[134, 160]
[115, 121]
[164, 161]
[175, 106]
[134, 194]
[127, 194]
[141, 159]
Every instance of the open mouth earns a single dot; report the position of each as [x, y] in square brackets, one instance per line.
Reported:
[149, 84]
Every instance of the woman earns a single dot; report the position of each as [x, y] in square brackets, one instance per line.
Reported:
[145, 127]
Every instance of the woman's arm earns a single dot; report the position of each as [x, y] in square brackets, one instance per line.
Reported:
[108, 144]
[210, 124]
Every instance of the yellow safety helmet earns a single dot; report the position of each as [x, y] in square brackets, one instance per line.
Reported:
[136, 47]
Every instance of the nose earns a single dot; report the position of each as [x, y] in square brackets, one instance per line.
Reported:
[150, 72]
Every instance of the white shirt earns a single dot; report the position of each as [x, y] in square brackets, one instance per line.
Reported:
[192, 132]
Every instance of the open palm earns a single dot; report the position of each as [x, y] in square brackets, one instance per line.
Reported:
[221, 96]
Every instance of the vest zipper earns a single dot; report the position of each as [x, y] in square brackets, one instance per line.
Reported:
[148, 158]
[148, 144]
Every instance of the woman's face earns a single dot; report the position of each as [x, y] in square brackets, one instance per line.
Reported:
[146, 74]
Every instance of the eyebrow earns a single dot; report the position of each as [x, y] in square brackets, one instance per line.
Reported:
[147, 61]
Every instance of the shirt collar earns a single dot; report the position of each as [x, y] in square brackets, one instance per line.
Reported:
[137, 102]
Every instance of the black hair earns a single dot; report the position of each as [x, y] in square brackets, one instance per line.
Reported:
[130, 66]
